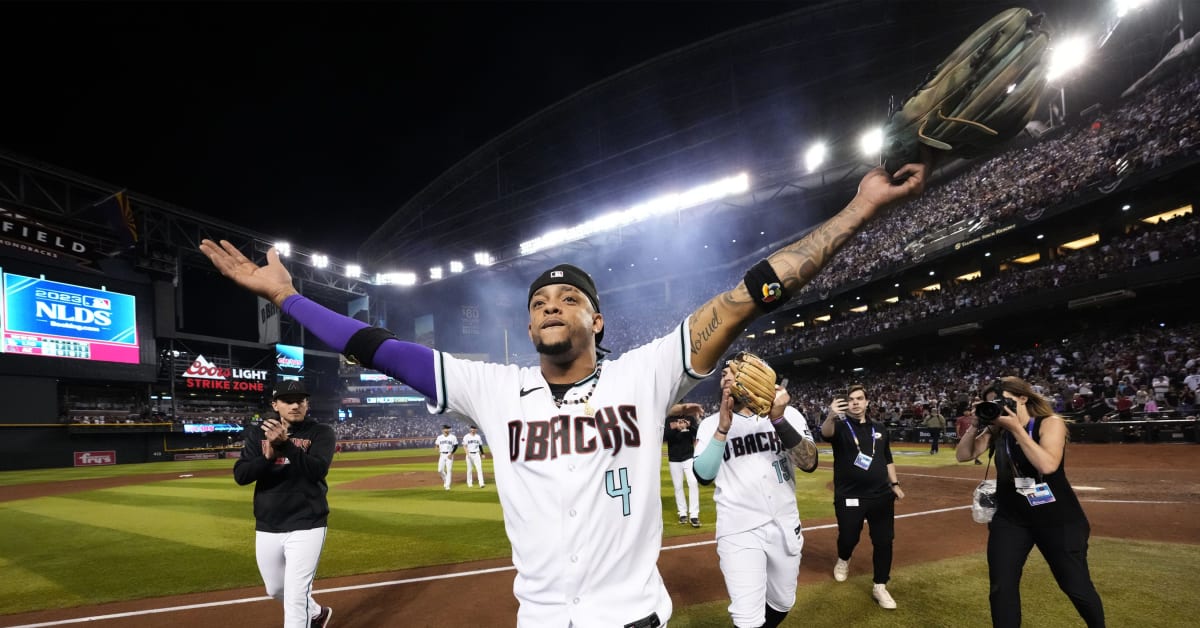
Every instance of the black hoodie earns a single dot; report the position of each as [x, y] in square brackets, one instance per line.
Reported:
[289, 492]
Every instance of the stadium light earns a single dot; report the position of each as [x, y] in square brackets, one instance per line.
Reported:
[1125, 6]
[484, 258]
[320, 261]
[665, 204]
[1068, 54]
[396, 279]
[814, 156]
[456, 266]
[353, 271]
[284, 249]
[435, 273]
[871, 142]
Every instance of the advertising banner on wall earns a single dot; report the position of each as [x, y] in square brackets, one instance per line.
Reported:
[95, 458]
[202, 374]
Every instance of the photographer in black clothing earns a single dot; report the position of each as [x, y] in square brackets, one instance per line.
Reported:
[1035, 504]
[864, 487]
[287, 458]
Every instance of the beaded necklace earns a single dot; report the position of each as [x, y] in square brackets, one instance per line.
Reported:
[587, 407]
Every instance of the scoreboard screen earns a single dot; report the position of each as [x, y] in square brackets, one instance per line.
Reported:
[59, 320]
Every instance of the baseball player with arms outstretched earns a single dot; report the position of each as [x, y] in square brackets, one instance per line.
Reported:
[473, 442]
[579, 477]
[446, 444]
[759, 540]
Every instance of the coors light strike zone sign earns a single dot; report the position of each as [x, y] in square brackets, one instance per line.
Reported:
[205, 375]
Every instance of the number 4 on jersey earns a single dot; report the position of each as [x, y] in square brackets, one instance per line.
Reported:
[618, 487]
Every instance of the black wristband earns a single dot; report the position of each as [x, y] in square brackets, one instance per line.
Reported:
[765, 287]
[361, 347]
[787, 434]
[721, 431]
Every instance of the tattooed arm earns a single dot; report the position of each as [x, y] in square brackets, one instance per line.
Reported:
[716, 324]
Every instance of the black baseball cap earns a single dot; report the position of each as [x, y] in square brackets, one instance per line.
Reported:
[289, 388]
[572, 276]
[445, 427]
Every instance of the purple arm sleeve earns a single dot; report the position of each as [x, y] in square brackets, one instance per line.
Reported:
[408, 362]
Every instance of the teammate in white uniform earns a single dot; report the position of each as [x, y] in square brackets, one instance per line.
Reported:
[759, 540]
[473, 442]
[580, 438]
[446, 445]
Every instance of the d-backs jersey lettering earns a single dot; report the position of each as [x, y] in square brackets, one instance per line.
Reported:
[446, 443]
[756, 480]
[473, 443]
[580, 491]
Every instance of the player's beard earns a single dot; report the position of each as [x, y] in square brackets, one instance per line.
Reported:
[553, 349]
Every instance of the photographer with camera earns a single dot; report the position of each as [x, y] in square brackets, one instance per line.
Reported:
[1035, 504]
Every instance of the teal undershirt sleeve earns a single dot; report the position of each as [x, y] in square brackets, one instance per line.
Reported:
[706, 465]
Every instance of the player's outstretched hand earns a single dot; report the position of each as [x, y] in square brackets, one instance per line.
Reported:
[272, 282]
[879, 188]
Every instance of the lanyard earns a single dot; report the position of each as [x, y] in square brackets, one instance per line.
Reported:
[1011, 461]
[854, 435]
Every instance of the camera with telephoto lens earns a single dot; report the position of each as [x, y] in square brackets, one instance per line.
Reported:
[989, 411]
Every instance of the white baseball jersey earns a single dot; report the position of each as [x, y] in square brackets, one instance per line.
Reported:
[473, 443]
[581, 491]
[756, 482]
[446, 443]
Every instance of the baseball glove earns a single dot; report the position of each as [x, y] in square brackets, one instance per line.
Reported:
[980, 96]
[753, 382]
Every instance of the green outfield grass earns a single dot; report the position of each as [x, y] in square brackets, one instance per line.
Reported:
[194, 534]
[1141, 583]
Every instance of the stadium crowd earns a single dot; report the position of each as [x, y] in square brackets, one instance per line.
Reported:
[1145, 132]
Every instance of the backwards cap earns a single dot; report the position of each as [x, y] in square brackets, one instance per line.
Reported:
[572, 276]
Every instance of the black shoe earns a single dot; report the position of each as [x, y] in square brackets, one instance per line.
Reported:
[682, 518]
[322, 620]
[695, 522]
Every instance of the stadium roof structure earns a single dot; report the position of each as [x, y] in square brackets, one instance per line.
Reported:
[750, 100]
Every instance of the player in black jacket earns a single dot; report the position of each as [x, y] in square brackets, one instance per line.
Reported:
[287, 458]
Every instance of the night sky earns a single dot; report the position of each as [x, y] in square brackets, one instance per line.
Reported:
[280, 116]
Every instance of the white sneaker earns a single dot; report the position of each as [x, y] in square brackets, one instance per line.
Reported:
[841, 570]
[881, 595]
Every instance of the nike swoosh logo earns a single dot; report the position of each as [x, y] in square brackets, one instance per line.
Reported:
[526, 392]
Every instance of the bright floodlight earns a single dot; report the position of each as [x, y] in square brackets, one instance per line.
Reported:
[435, 272]
[456, 266]
[484, 259]
[320, 261]
[353, 271]
[665, 204]
[396, 278]
[1068, 54]
[1125, 6]
[871, 142]
[814, 156]
[284, 249]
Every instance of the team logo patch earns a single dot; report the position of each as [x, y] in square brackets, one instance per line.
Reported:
[771, 292]
[556, 274]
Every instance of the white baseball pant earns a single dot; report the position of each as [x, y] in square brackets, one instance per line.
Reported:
[287, 562]
[681, 472]
[760, 568]
[445, 464]
[475, 460]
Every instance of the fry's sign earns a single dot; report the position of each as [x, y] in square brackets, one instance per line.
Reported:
[205, 375]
